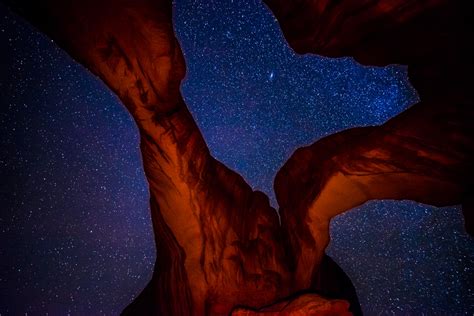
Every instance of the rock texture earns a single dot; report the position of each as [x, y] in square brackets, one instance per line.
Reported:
[425, 154]
[304, 305]
[219, 243]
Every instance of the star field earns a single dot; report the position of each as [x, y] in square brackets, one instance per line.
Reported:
[74, 224]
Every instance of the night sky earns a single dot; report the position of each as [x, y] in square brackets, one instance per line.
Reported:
[75, 228]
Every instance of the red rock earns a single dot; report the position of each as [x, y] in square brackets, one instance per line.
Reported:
[304, 305]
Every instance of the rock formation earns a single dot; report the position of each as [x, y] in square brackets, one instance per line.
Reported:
[219, 243]
[424, 154]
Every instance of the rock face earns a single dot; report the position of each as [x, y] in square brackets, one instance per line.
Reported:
[219, 243]
[425, 154]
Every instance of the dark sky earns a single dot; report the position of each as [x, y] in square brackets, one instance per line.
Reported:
[75, 228]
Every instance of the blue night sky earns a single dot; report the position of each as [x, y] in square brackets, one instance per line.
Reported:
[75, 226]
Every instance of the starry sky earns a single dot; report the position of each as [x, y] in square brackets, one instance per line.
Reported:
[75, 229]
